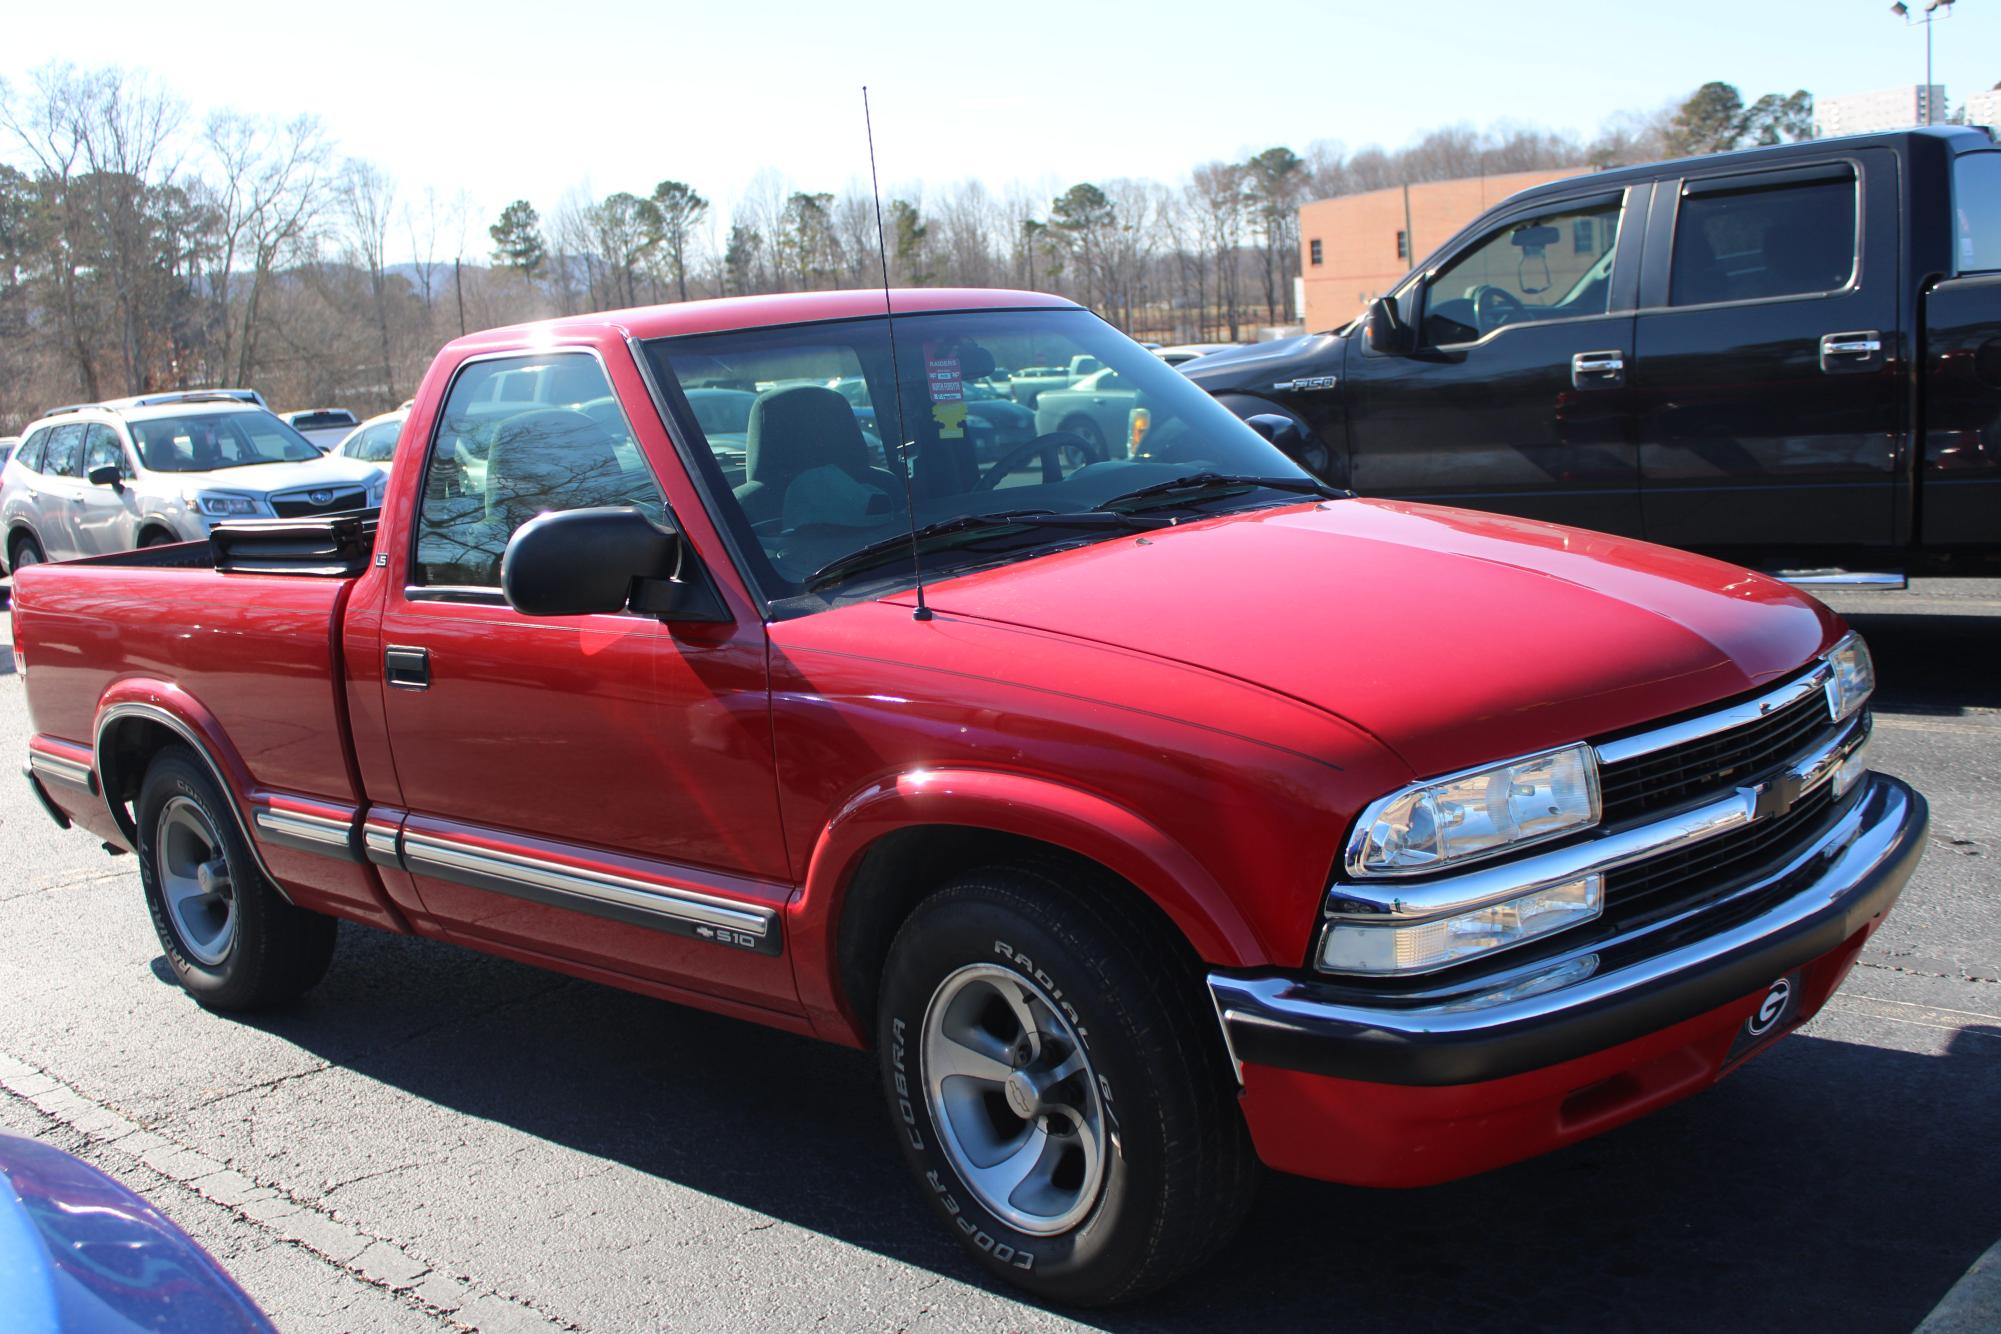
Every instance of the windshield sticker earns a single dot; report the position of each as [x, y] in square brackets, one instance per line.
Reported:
[947, 387]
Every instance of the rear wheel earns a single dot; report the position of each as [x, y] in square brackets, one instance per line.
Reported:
[1058, 1087]
[1086, 430]
[231, 939]
[24, 550]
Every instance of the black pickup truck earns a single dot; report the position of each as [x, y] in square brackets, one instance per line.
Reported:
[1788, 356]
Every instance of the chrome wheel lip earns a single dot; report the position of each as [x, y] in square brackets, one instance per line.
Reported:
[976, 1083]
[194, 880]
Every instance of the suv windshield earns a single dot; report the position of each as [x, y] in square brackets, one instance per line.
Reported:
[207, 442]
[790, 423]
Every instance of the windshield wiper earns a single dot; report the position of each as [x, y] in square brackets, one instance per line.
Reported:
[888, 548]
[1211, 481]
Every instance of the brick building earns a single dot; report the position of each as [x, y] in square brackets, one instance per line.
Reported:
[1355, 247]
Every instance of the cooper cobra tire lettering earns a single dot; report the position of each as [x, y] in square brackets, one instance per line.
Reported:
[1000, 1250]
[903, 1107]
[1048, 984]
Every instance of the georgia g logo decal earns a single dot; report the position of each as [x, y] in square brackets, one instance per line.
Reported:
[1770, 1008]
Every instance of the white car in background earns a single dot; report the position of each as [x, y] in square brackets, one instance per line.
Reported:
[137, 472]
[374, 441]
[323, 426]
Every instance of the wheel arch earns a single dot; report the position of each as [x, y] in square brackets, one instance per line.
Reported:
[901, 839]
[137, 720]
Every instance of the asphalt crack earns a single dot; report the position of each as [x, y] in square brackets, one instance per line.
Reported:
[287, 1217]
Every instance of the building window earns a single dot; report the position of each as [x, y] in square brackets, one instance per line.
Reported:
[1403, 246]
[1584, 236]
[1313, 248]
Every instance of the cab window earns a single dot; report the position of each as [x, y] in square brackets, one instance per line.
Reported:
[499, 459]
[1976, 207]
[1753, 244]
[29, 455]
[65, 452]
[1553, 266]
[101, 446]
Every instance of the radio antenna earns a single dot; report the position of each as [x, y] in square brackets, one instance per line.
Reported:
[906, 445]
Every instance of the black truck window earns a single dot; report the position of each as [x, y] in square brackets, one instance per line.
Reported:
[1976, 207]
[1755, 244]
[1553, 266]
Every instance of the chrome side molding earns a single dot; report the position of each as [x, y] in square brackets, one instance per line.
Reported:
[622, 898]
[308, 832]
[72, 773]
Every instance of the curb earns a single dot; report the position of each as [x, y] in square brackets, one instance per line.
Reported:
[1974, 1304]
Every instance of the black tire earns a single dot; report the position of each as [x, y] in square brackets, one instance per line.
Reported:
[272, 952]
[1178, 1173]
[24, 550]
[1086, 430]
[157, 537]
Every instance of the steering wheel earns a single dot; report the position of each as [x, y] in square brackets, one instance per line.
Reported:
[1494, 306]
[1050, 448]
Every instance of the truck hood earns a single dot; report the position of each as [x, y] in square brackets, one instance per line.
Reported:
[1255, 369]
[1456, 638]
[264, 478]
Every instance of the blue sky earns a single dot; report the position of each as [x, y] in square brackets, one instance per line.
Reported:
[507, 99]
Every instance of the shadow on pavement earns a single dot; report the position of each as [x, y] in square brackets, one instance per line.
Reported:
[1826, 1185]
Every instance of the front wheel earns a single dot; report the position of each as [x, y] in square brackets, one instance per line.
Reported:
[1056, 1089]
[230, 938]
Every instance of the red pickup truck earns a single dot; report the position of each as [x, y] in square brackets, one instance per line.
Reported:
[1150, 808]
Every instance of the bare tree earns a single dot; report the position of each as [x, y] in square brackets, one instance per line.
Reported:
[368, 205]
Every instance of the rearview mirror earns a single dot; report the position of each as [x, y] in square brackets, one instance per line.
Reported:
[610, 559]
[106, 474]
[1535, 238]
[1385, 330]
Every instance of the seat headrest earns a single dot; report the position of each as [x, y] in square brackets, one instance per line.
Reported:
[798, 427]
[550, 459]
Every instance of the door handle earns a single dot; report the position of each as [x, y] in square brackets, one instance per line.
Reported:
[1856, 350]
[1598, 370]
[407, 668]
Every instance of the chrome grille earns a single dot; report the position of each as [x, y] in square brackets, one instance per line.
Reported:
[1679, 774]
[300, 504]
[1635, 895]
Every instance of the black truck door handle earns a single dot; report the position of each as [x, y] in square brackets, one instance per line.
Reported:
[1598, 370]
[407, 668]
[1858, 350]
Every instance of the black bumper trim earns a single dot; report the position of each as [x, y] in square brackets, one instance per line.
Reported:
[42, 796]
[1305, 1025]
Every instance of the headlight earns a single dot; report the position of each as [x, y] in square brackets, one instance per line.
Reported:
[1854, 678]
[376, 489]
[1477, 814]
[1369, 948]
[223, 505]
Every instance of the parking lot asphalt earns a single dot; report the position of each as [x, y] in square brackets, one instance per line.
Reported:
[436, 1139]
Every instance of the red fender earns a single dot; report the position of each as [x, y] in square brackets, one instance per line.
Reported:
[1066, 817]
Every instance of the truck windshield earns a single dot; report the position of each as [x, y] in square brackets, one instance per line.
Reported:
[1014, 412]
[212, 441]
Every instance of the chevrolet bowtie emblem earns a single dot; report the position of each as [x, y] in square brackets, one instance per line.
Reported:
[1773, 798]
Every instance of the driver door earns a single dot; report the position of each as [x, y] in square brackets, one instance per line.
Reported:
[1515, 397]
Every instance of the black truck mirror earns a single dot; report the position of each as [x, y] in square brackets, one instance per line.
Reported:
[1385, 329]
[607, 559]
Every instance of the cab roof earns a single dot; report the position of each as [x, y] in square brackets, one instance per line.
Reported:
[752, 312]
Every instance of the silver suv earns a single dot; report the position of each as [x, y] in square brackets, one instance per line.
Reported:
[137, 472]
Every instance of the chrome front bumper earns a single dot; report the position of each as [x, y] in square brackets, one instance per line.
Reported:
[1601, 994]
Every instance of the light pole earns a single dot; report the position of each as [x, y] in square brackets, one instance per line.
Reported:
[1934, 9]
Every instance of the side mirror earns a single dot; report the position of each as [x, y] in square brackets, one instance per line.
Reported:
[1284, 432]
[579, 562]
[106, 474]
[1386, 331]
